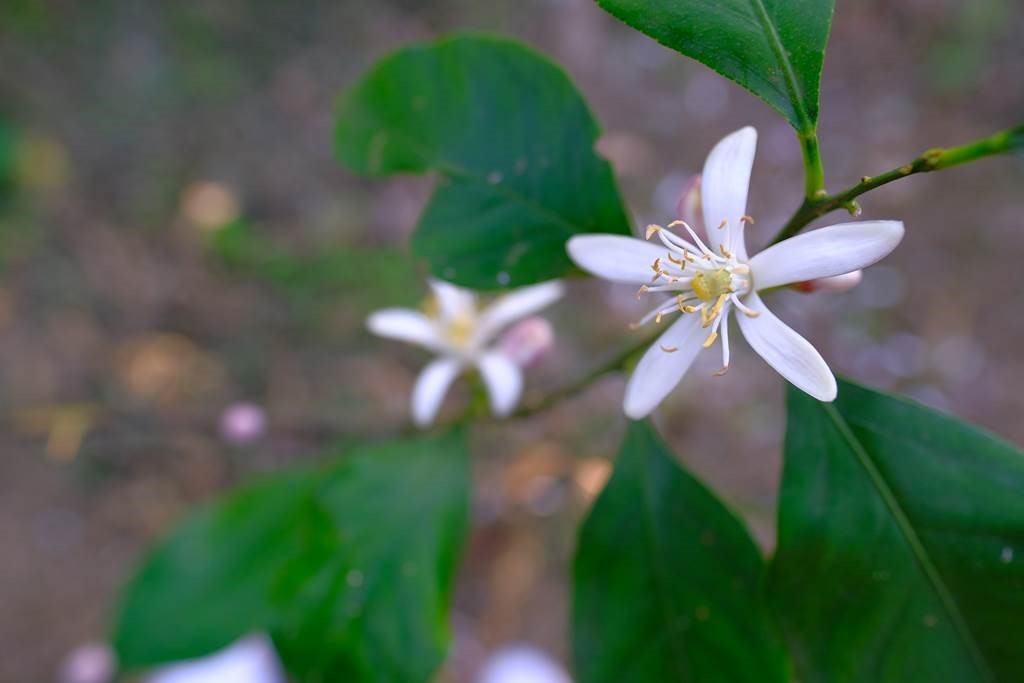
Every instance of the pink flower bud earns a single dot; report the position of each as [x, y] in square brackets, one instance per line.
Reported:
[528, 341]
[836, 283]
[243, 423]
[689, 208]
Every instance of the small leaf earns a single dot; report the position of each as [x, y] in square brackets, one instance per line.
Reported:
[513, 142]
[773, 48]
[901, 544]
[667, 581]
[349, 569]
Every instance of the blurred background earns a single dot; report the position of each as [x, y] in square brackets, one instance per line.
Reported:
[185, 271]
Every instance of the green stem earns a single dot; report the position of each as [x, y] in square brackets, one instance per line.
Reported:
[609, 365]
[931, 160]
[814, 171]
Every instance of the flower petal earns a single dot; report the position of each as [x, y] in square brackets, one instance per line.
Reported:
[454, 302]
[791, 355]
[504, 381]
[431, 387]
[659, 371]
[723, 192]
[405, 325]
[517, 304]
[615, 257]
[825, 252]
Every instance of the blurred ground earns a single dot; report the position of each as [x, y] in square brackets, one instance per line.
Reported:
[175, 237]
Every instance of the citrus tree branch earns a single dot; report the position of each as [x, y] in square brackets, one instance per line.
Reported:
[931, 160]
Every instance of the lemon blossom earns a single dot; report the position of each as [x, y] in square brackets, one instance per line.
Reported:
[707, 280]
[463, 335]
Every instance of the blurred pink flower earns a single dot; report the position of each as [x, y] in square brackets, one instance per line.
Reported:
[243, 423]
[88, 663]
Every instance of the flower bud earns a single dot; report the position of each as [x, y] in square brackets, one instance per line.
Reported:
[528, 341]
[836, 283]
[688, 209]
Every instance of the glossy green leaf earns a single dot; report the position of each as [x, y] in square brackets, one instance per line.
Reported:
[513, 143]
[667, 581]
[349, 568]
[773, 48]
[901, 544]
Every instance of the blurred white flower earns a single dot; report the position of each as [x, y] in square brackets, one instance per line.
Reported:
[89, 663]
[243, 423]
[461, 334]
[709, 280]
[522, 664]
[249, 660]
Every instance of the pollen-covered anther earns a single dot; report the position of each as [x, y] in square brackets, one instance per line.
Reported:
[640, 292]
[651, 229]
[668, 349]
[723, 224]
[719, 373]
[746, 219]
[710, 340]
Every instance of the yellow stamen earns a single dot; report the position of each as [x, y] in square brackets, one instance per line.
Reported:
[710, 340]
[651, 229]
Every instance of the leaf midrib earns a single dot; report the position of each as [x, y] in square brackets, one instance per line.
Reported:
[796, 93]
[906, 529]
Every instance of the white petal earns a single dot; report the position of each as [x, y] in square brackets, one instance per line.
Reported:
[454, 302]
[431, 386]
[791, 355]
[518, 304]
[829, 251]
[504, 381]
[615, 257]
[406, 325]
[659, 371]
[723, 192]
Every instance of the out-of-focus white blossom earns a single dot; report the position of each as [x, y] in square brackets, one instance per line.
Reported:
[462, 334]
[89, 663]
[249, 660]
[243, 423]
[528, 341]
[522, 664]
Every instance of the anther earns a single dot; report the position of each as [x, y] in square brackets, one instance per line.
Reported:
[725, 222]
[710, 340]
[668, 349]
[643, 290]
[651, 229]
[721, 372]
[746, 219]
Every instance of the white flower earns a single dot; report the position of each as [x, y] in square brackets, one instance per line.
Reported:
[249, 660]
[709, 280]
[462, 335]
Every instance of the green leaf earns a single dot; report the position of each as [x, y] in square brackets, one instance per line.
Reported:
[901, 544]
[349, 568]
[773, 48]
[667, 581]
[513, 142]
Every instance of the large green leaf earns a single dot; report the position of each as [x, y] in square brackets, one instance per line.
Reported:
[773, 48]
[667, 581]
[513, 142]
[901, 544]
[349, 568]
